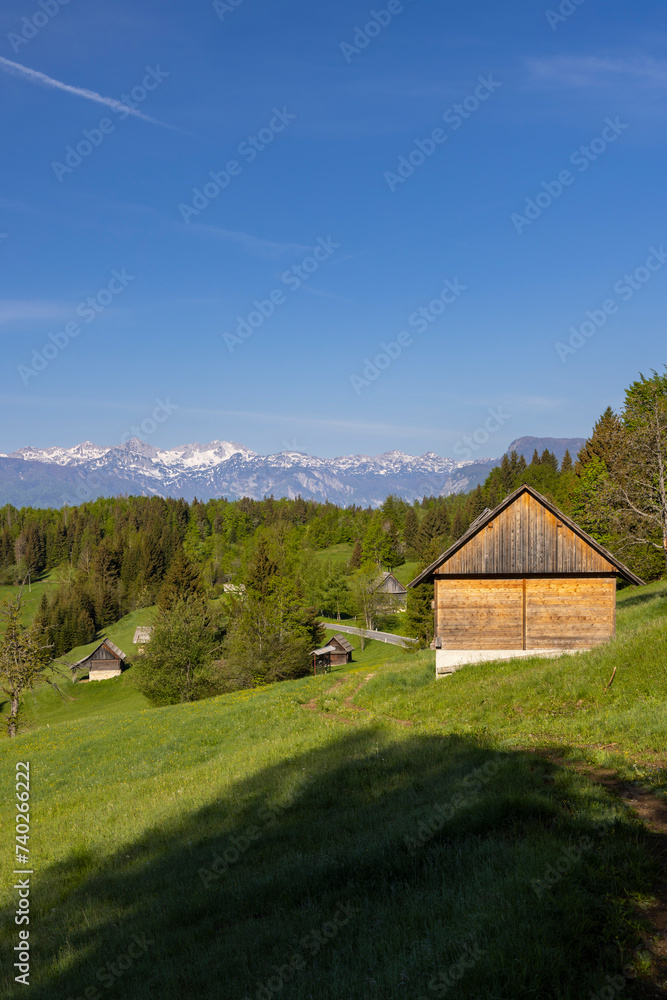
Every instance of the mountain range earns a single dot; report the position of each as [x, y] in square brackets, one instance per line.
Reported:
[53, 477]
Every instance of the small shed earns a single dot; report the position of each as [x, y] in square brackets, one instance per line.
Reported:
[105, 661]
[322, 659]
[394, 594]
[142, 636]
[343, 650]
[523, 578]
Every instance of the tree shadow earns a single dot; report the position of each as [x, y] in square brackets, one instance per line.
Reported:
[368, 867]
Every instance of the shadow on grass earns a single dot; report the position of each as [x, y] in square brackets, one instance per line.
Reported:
[644, 598]
[369, 868]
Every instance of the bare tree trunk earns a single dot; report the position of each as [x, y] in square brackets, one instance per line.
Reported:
[13, 716]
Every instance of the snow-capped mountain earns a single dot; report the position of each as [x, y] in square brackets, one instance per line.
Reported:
[57, 476]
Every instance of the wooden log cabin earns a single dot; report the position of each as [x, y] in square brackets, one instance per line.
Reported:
[523, 578]
[105, 661]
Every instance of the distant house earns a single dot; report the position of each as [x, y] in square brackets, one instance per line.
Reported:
[142, 636]
[233, 588]
[105, 661]
[337, 652]
[395, 595]
[524, 579]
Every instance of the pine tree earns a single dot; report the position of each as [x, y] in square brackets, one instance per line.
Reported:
[410, 528]
[262, 570]
[459, 524]
[566, 464]
[535, 460]
[357, 555]
[181, 581]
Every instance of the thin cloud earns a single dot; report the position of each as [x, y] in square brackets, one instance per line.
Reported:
[17, 310]
[16, 69]
[254, 244]
[592, 71]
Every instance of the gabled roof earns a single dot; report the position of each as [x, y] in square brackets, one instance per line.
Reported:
[490, 515]
[105, 642]
[345, 643]
[325, 649]
[384, 578]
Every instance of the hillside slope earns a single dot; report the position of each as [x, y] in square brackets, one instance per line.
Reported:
[370, 833]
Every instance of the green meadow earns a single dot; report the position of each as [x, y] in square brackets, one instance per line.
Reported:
[371, 833]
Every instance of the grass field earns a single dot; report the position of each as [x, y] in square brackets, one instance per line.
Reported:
[31, 592]
[366, 834]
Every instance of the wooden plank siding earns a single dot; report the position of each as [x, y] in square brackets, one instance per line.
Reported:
[479, 614]
[569, 613]
[524, 613]
[525, 538]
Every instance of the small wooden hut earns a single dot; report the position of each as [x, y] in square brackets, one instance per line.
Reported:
[105, 661]
[524, 577]
[322, 659]
[343, 650]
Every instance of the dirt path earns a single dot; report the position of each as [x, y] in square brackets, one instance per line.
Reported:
[348, 703]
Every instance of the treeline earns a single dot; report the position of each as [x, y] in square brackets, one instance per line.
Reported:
[115, 555]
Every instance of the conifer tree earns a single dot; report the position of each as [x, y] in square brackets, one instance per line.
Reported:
[357, 555]
[262, 570]
[566, 464]
[181, 581]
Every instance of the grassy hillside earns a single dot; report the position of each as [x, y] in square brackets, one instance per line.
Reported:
[366, 834]
[32, 593]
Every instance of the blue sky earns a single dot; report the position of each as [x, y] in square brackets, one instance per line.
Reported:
[315, 117]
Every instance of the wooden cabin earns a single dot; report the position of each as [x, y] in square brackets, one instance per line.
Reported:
[337, 652]
[394, 594]
[343, 650]
[105, 661]
[524, 577]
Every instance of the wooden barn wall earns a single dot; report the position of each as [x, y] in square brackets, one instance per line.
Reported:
[479, 614]
[525, 538]
[567, 613]
[103, 653]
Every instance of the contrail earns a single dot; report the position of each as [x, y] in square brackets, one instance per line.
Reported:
[16, 69]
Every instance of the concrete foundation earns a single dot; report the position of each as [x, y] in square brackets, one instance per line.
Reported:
[448, 661]
[103, 675]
